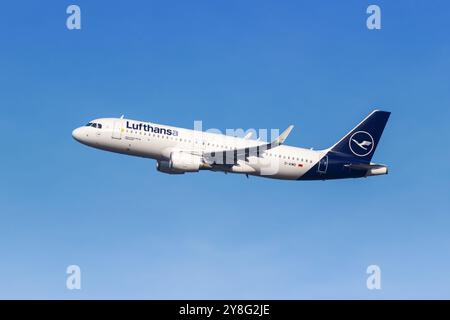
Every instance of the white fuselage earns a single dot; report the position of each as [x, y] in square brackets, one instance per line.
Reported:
[159, 142]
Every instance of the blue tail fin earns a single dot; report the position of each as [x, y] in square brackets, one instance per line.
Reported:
[361, 142]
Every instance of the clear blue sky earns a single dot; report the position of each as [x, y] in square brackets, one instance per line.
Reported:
[137, 233]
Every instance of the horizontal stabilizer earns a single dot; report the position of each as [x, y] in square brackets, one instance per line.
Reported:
[372, 169]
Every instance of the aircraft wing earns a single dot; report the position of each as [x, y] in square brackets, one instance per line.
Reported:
[230, 157]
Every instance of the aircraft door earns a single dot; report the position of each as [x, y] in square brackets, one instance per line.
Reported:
[323, 165]
[117, 130]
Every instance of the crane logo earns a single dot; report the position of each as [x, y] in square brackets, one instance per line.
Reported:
[361, 143]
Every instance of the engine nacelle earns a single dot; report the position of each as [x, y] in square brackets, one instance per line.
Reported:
[179, 163]
[377, 171]
[164, 166]
[186, 162]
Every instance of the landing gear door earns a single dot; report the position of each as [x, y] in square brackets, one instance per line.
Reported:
[323, 165]
[117, 130]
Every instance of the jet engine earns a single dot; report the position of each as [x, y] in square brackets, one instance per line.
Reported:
[164, 166]
[180, 162]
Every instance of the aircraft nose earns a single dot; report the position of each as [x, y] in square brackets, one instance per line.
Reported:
[77, 134]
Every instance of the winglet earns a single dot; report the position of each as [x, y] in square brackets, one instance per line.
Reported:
[283, 136]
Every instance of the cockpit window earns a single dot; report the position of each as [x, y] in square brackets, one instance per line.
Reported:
[95, 125]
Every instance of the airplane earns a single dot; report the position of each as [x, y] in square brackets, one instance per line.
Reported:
[179, 150]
